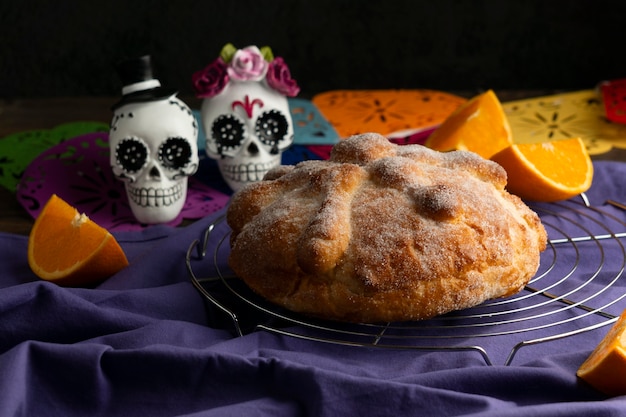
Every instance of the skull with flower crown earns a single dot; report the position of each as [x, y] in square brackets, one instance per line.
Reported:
[153, 144]
[245, 112]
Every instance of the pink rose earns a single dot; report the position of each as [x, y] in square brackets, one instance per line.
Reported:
[247, 64]
[279, 78]
[211, 80]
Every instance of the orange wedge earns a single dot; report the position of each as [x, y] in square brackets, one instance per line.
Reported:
[479, 125]
[605, 368]
[547, 171]
[68, 248]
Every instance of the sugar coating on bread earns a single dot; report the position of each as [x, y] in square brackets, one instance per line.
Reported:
[382, 232]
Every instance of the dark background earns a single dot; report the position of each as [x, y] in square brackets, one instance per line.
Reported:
[69, 48]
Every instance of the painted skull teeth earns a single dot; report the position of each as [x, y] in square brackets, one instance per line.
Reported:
[155, 197]
[250, 172]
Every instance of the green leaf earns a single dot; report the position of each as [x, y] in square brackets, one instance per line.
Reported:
[227, 52]
[266, 51]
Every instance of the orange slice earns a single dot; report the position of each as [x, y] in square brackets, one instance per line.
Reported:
[547, 171]
[479, 125]
[605, 368]
[70, 249]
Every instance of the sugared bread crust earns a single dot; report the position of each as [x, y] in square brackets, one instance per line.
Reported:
[382, 232]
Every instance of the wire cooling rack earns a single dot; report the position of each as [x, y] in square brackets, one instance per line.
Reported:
[578, 288]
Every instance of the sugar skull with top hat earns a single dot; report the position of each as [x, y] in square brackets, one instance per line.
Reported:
[245, 112]
[153, 144]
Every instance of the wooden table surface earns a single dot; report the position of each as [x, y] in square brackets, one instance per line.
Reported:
[20, 115]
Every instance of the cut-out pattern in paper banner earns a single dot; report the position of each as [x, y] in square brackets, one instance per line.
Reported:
[78, 170]
[19, 149]
[563, 116]
[309, 126]
[393, 113]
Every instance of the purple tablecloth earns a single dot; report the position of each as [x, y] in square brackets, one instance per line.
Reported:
[142, 343]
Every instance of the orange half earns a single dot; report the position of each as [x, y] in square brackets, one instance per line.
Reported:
[547, 171]
[70, 249]
[605, 368]
[479, 125]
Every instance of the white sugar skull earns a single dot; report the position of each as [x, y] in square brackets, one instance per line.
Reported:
[154, 150]
[245, 112]
[248, 127]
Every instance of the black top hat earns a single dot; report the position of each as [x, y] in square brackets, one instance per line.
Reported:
[139, 83]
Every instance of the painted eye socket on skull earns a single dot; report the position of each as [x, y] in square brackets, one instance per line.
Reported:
[271, 127]
[131, 154]
[175, 153]
[228, 132]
